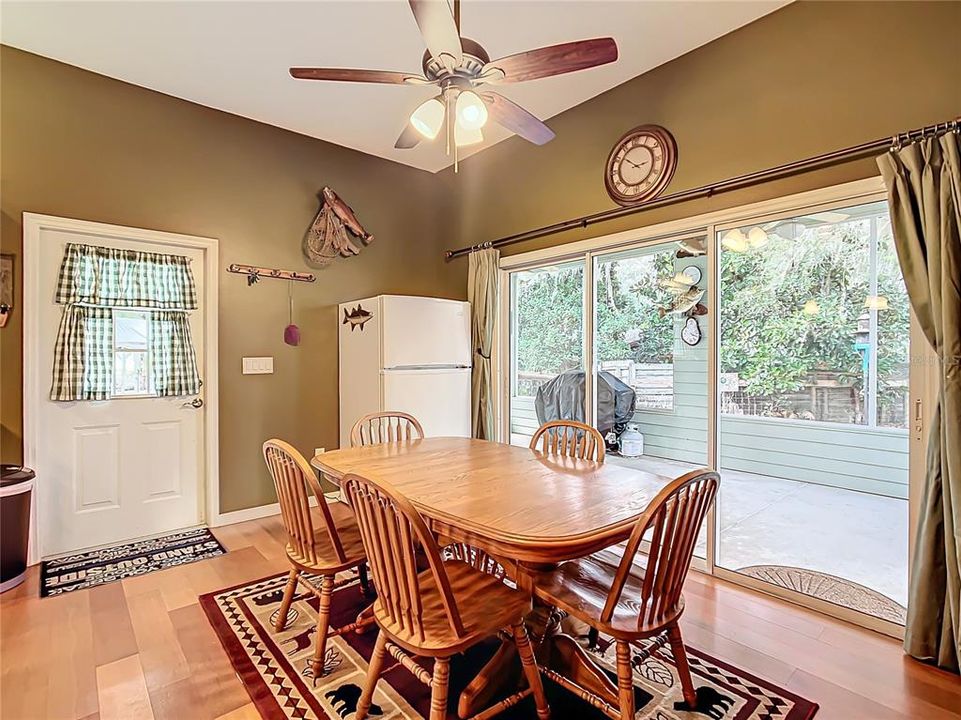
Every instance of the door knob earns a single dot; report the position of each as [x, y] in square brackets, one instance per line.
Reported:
[196, 403]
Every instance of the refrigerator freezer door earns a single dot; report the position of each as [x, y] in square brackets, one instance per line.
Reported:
[439, 399]
[419, 332]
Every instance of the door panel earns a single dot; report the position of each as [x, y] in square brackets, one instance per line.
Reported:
[643, 300]
[813, 408]
[439, 399]
[96, 478]
[425, 331]
[165, 463]
[118, 469]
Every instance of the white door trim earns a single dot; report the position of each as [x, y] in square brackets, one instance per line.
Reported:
[33, 225]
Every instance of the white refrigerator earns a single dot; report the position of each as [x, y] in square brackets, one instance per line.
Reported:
[413, 354]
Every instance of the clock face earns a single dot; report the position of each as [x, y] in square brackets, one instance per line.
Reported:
[641, 165]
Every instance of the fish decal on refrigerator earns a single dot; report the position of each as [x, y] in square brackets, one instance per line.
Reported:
[357, 318]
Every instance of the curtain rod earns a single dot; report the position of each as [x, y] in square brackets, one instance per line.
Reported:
[829, 159]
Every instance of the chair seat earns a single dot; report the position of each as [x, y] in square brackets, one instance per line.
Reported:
[327, 561]
[486, 605]
[580, 587]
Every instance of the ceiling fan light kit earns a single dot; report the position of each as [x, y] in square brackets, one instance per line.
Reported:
[459, 66]
[471, 111]
[428, 118]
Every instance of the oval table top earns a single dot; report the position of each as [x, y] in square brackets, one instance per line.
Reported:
[511, 501]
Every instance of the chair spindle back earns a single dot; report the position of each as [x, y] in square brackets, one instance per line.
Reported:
[570, 438]
[391, 529]
[383, 427]
[674, 517]
[294, 480]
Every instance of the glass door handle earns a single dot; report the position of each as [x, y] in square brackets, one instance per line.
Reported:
[196, 403]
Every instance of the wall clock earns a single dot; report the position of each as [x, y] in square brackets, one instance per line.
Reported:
[693, 273]
[640, 165]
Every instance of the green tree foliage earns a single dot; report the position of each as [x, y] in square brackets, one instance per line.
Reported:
[767, 339]
[548, 327]
[628, 299]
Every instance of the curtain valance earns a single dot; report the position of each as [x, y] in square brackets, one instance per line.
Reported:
[114, 277]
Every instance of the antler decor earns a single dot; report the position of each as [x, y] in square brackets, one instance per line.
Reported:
[330, 232]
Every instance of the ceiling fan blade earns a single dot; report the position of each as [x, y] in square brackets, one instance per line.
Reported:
[363, 76]
[553, 60]
[408, 138]
[517, 119]
[436, 23]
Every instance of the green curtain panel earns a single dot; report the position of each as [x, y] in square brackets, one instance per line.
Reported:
[923, 182]
[93, 282]
[83, 355]
[482, 293]
[173, 360]
[115, 277]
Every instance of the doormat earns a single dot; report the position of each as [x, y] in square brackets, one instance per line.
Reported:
[833, 589]
[275, 669]
[109, 564]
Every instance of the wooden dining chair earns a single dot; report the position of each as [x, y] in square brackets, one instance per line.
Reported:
[323, 541]
[436, 613]
[630, 603]
[382, 427]
[570, 438]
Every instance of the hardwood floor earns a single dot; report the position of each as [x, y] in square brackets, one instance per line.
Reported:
[143, 648]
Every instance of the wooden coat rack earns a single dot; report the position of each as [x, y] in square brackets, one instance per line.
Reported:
[255, 274]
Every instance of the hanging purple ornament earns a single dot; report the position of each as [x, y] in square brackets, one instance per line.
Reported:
[291, 332]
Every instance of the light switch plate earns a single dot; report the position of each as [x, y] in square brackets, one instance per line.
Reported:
[258, 365]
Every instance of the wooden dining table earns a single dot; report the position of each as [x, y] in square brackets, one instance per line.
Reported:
[529, 510]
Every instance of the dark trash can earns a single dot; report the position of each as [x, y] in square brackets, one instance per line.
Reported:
[16, 489]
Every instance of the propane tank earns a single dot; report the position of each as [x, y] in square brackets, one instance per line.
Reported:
[632, 442]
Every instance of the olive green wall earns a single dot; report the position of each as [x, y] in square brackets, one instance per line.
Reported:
[809, 78]
[80, 145]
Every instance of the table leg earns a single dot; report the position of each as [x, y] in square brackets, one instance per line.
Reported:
[494, 676]
[556, 652]
[570, 660]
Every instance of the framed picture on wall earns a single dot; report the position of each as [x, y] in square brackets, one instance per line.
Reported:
[6, 287]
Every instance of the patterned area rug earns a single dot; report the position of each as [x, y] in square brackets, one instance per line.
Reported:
[275, 668]
[830, 588]
[89, 569]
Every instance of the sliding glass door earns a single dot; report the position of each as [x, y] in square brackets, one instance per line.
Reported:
[776, 351]
[650, 322]
[813, 400]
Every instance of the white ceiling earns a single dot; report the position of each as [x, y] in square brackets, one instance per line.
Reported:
[234, 56]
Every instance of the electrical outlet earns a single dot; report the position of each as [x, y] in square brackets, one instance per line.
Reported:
[318, 451]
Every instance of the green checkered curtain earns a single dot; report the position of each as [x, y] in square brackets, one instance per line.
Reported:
[114, 277]
[174, 363]
[83, 356]
[93, 281]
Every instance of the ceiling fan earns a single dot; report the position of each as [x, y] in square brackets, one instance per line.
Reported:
[460, 67]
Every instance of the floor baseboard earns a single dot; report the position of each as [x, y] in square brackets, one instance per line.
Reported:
[259, 511]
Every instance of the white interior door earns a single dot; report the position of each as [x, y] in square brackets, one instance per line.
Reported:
[123, 468]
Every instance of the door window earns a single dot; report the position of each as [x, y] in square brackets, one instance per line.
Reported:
[131, 354]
